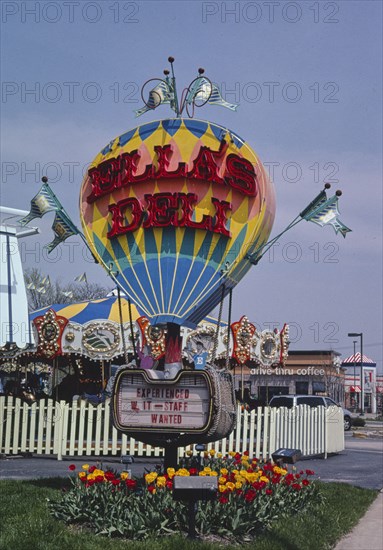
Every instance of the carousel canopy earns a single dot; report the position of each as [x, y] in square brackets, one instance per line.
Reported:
[82, 312]
[93, 328]
[102, 309]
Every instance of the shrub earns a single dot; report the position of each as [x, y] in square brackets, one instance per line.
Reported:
[359, 422]
[251, 495]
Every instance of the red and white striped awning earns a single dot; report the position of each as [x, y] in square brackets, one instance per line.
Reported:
[356, 359]
[355, 389]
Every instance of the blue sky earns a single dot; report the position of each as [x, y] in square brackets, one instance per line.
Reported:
[308, 80]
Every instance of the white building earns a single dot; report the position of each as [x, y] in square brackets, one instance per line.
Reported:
[15, 329]
[372, 384]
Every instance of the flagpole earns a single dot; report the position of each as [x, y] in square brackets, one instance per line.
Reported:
[321, 205]
[58, 207]
[254, 258]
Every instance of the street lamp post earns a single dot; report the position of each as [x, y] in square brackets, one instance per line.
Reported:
[360, 335]
[354, 342]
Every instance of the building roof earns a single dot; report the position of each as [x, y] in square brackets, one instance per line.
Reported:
[313, 352]
[356, 359]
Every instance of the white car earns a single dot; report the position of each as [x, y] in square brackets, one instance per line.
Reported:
[290, 401]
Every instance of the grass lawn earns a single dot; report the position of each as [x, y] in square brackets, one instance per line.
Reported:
[26, 523]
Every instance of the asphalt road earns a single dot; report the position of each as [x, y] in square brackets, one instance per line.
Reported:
[361, 464]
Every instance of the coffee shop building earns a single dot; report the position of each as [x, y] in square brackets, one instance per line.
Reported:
[307, 372]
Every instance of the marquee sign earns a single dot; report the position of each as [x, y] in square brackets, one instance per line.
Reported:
[143, 404]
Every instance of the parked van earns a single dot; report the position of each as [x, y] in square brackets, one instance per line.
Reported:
[290, 401]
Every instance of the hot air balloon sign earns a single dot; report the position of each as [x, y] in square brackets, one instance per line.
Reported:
[176, 206]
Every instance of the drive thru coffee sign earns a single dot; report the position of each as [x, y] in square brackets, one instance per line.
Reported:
[183, 404]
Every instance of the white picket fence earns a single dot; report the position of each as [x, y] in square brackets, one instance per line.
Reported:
[80, 429]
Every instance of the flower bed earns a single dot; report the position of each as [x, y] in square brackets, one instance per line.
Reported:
[251, 495]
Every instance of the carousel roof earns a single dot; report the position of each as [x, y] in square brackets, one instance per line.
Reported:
[90, 328]
[83, 312]
[101, 309]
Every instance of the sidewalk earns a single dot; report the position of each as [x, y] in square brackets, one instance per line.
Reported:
[368, 533]
[18, 467]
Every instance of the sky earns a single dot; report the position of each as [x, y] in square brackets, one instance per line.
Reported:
[308, 80]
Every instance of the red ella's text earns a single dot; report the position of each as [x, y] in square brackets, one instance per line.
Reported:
[121, 172]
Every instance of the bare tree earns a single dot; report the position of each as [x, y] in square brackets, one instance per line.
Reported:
[333, 378]
[42, 291]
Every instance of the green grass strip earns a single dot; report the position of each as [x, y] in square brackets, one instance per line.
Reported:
[26, 523]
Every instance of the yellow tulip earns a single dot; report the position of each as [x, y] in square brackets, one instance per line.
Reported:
[161, 481]
[149, 478]
[280, 471]
[182, 472]
[85, 466]
[252, 477]
[124, 476]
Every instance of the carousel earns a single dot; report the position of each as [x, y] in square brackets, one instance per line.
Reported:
[80, 346]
